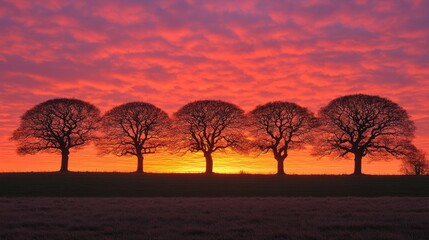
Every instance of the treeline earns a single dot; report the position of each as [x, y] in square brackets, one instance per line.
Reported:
[356, 125]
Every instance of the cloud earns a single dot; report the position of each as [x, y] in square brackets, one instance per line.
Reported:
[251, 52]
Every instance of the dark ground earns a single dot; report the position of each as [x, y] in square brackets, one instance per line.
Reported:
[215, 218]
[201, 185]
[218, 206]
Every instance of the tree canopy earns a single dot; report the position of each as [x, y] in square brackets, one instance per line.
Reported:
[414, 161]
[280, 126]
[363, 125]
[209, 126]
[355, 126]
[57, 125]
[135, 128]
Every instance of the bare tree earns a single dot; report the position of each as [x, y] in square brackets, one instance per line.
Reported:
[57, 125]
[135, 128]
[209, 126]
[414, 161]
[363, 125]
[280, 126]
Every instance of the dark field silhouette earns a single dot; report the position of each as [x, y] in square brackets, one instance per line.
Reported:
[203, 185]
[214, 218]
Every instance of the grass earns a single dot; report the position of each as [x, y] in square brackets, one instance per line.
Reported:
[218, 206]
[200, 185]
[215, 218]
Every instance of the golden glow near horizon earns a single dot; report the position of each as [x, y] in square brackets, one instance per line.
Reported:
[298, 162]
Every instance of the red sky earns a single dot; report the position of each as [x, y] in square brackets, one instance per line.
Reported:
[247, 52]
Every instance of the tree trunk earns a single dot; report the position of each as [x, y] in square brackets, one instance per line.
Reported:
[64, 160]
[358, 165]
[139, 162]
[417, 170]
[209, 163]
[280, 167]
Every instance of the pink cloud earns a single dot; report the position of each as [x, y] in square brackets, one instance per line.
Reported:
[169, 53]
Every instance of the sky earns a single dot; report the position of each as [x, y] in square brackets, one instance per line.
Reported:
[248, 53]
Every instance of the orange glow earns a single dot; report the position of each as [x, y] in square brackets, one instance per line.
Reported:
[297, 163]
[171, 53]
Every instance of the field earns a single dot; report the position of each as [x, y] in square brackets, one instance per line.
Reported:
[200, 185]
[196, 206]
[214, 218]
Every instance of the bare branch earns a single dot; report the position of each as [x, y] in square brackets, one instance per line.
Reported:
[56, 126]
[362, 124]
[209, 126]
[134, 128]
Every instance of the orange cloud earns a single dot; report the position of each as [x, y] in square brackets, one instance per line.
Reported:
[170, 53]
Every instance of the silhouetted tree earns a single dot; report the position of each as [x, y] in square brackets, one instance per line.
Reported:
[57, 125]
[280, 126]
[135, 128]
[209, 126]
[363, 125]
[414, 161]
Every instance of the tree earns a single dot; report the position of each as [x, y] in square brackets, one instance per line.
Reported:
[414, 162]
[280, 126]
[57, 125]
[135, 128]
[363, 125]
[209, 126]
